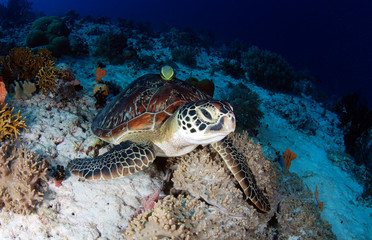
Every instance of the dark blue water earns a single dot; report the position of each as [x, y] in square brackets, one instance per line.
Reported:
[332, 39]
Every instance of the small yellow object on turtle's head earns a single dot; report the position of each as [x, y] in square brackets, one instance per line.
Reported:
[167, 73]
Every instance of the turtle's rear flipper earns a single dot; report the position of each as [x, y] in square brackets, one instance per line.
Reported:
[238, 166]
[123, 160]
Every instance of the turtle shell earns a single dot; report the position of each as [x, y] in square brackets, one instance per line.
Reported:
[144, 105]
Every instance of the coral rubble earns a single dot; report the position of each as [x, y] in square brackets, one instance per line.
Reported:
[21, 180]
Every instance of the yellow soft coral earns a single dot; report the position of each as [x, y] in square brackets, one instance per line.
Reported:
[10, 125]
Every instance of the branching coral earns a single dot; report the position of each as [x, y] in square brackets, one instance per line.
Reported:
[10, 125]
[23, 64]
[21, 179]
[47, 77]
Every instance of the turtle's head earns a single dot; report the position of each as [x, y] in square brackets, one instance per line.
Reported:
[206, 121]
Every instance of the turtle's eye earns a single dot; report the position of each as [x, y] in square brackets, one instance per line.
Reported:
[206, 113]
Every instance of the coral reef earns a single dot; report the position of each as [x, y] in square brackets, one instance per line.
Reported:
[211, 205]
[184, 55]
[110, 46]
[49, 31]
[176, 38]
[47, 78]
[246, 104]
[100, 93]
[206, 202]
[185, 217]
[23, 64]
[10, 125]
[15, 12]
[231, 67]
[268, 69]
[21, 180]
[356, 121]
[297, 213]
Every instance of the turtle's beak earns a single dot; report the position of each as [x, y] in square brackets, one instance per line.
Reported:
[230, 123]
[226, 124]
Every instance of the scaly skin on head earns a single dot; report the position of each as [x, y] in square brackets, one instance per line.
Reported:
[207, 121]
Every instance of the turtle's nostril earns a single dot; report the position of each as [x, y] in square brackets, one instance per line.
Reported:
[233, 122]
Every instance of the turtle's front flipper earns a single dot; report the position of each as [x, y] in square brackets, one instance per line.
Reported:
[238, 166]
[124, 159]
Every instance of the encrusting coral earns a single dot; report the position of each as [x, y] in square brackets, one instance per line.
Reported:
[21, 180]
[10, 125]
[211, 204]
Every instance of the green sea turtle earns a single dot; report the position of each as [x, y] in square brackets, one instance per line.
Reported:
[161, 116]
